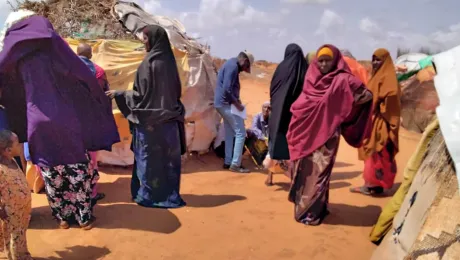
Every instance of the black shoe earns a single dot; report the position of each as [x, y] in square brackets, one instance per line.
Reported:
[239, 169]
[226, 166]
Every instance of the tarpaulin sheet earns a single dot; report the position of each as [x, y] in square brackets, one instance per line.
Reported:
[447, 84]
[120, 60]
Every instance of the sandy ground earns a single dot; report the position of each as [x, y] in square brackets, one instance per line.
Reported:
[229, 216]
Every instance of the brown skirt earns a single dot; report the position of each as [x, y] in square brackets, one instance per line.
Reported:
[310, 183]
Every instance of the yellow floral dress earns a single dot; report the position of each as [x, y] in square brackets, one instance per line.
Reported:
[15, 195]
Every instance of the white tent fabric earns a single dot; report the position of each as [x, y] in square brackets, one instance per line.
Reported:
[447, 84]
[410, 61]
[13, 18]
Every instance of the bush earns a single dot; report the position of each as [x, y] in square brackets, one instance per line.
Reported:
[87, 19]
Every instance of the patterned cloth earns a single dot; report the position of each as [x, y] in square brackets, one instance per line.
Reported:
[157, 167]
[93, 167]
[380, 169]
[16, 197]
[69, 188]
[311, 176]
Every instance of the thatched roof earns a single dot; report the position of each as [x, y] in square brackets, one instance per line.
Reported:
[79, 18]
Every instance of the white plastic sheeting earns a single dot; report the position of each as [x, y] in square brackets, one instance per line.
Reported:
[447, 84]
[13, 18]
[410, 61]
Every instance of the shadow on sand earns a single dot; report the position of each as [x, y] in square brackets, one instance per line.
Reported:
[211, 163]
[79, 252]
[117, 211]
[347, 215]
[342, 164]
[285, 186]
[210, 201]
[339, 176]
[116, 170]
[118, 216]
[123, 195]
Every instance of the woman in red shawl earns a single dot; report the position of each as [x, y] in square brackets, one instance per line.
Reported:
[333, 102]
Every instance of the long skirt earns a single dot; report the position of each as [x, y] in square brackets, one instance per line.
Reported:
[380, 169]
[68, 189]
[92, 166]
[311, 176]
[157, 167]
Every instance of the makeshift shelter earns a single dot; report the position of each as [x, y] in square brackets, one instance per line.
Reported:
[418, 102]
[411, 61]
[418, 95]
[427, 223]
[120, 59]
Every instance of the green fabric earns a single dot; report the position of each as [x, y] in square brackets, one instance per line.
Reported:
[406, 76]
[426, 62]
[385, 221]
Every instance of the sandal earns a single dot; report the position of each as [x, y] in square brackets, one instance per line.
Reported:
[363, 190]
[376, 190]
[89, 225]
[64, 225]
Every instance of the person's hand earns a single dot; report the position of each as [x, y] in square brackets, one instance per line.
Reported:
[110, 94]
[3, 215]
[239, 106]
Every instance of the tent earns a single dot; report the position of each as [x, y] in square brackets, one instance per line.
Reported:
[426, 227]
[120, 59]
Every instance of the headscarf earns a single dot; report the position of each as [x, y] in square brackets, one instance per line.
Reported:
[285, 88]
[357, 69]
[325, 51]
[386, 105]
[310, 57]
[156, 93]
[53, 100]
[324, 105]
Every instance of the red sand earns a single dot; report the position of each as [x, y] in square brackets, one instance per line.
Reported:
[229, 216]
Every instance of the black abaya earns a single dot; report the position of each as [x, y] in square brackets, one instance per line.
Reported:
[285, 88]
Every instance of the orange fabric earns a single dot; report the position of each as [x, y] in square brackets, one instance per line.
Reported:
[122, 125]
[386, 105]
[426, 74]
[34, 178]
[357, 69]
[325, 52]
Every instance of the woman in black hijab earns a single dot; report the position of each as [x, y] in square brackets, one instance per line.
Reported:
[285, 88]
[156, 116]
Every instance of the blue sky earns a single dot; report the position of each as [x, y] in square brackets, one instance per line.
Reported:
[265, 27]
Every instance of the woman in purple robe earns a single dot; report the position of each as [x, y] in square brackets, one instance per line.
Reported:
[56, 103]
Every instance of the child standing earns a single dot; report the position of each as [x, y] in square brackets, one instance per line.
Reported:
[15, 200]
